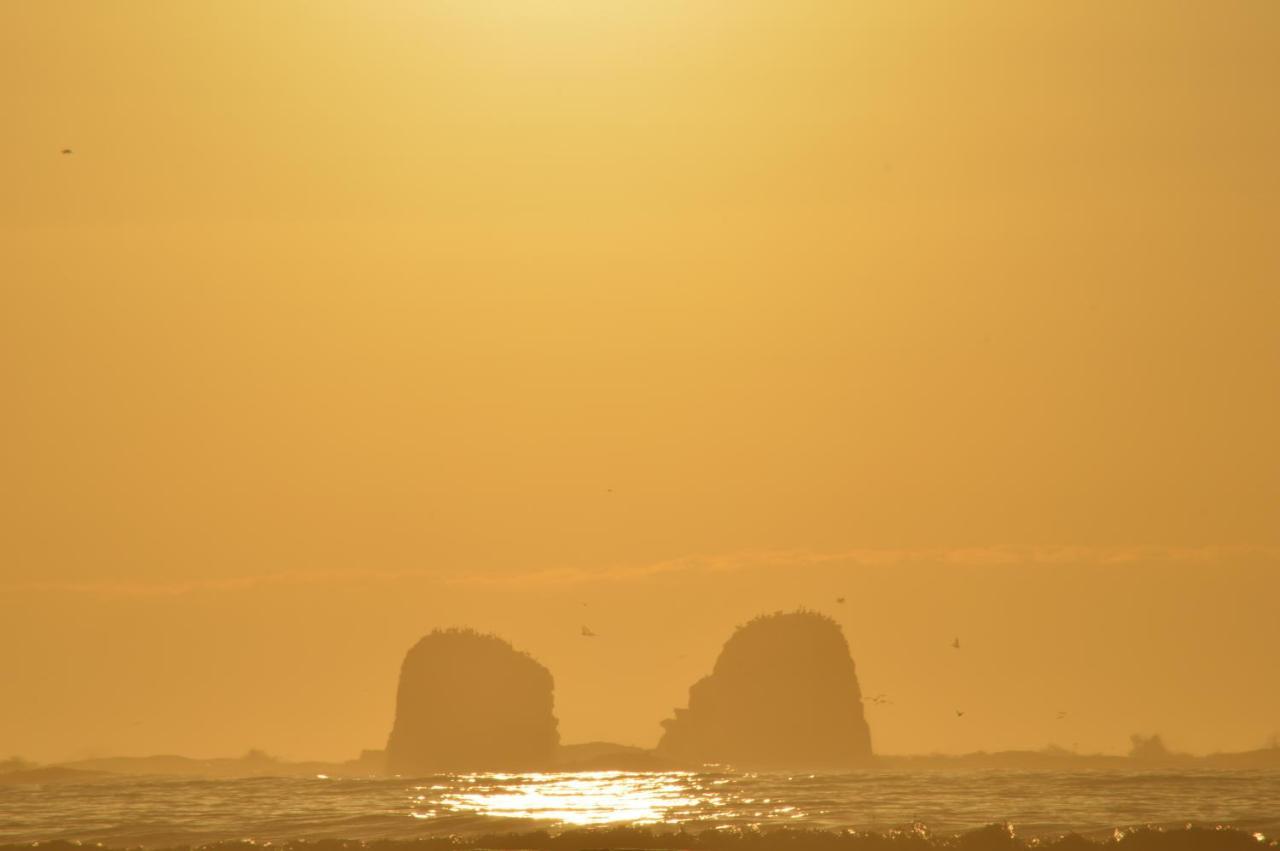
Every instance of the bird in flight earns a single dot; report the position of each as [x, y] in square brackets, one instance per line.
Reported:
[587, 633]
[840, 600]
[959, 713]
[956, 644]
[880, 699]
[1061, 715]
[66, 151]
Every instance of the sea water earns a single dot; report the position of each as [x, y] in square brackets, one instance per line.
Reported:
[163, 811]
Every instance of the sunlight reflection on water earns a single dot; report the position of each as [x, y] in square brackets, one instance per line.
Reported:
[163, 812]
[586, 798]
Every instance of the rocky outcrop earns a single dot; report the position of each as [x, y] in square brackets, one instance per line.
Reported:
[608, 756]
[784, 693]
[471, 702]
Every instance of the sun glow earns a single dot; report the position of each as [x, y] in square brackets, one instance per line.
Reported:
[578, 799]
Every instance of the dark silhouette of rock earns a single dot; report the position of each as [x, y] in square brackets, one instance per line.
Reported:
[471, 702]
[1150, 749]
[784, 692]
[370, 763]
[610, 756]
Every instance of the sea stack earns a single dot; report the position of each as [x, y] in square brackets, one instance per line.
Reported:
[471, 702]
[784, 693]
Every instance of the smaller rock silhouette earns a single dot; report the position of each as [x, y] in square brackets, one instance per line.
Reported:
[471, 702]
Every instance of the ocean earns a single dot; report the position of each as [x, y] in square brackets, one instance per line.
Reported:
[165, 812]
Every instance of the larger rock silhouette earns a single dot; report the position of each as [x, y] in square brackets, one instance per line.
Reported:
[471, 702]
[784, 693]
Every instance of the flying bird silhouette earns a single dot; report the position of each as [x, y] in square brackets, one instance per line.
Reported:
[1061, 715]
[840, 600]
[956, 644]
[66, 151]
[959, 713]
[587, 633]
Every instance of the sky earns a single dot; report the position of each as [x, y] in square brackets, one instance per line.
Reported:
[345, 321]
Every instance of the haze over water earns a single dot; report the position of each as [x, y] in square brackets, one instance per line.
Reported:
[601, 328]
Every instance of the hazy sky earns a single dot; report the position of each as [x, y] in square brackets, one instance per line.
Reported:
[347, 320]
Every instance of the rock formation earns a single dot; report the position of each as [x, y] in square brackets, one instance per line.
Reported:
[783, 693]
[471, 702]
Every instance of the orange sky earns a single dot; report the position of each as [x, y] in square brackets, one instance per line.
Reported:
[348, 320]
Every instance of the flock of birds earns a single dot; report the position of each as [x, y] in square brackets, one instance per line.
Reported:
[875, 700]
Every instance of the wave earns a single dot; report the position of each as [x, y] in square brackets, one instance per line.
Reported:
[638, 810]
[994, 837]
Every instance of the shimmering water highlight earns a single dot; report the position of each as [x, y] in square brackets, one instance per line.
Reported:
[168, 811]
